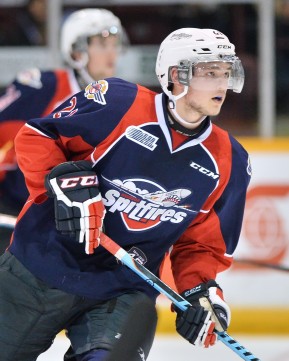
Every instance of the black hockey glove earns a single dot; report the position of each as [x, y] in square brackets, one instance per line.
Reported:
[77, 202]
[208, 313]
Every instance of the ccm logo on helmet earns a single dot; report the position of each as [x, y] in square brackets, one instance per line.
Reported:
[224, 47]
[83, 181]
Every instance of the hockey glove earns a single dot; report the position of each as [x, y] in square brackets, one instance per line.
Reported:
[196, 326]
[209, 297]
[77, 202]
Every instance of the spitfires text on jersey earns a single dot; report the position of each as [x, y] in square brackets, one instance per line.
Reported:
[141, 209]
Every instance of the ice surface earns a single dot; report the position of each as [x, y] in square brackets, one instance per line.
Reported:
[174, 348]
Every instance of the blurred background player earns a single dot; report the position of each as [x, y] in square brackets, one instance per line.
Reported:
[91, 41]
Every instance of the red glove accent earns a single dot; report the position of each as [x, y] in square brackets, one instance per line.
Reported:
[79, 210]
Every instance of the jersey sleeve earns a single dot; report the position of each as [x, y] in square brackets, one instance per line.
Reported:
[207, 246]
[8, 131]
[28, 95]
[25, 98]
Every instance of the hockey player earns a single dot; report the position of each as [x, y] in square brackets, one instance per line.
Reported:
[90, 45]
[151, 171]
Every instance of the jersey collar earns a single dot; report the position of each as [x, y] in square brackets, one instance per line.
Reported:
[162, 115]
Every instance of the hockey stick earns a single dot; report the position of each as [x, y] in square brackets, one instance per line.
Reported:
[273, 266]
[163, 288]
[7, 221]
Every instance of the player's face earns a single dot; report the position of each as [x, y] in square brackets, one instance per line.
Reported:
[207, 91]
[102, 54]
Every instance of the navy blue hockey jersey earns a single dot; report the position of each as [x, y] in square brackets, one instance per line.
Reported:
[161, 191]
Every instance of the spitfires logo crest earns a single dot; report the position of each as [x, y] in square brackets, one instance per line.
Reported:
[96, 91]
[143, 204]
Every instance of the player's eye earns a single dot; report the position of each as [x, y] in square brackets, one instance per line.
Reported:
[210, 74]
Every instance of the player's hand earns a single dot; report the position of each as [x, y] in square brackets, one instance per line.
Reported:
[209, 309]
[196, 326]
[79, 209]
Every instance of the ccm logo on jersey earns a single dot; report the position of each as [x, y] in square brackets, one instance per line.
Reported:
[79, 181]
[204, 170]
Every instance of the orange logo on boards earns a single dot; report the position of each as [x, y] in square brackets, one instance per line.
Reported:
[265, 231]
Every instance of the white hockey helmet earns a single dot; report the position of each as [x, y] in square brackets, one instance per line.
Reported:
[186, 47]
[82, 24]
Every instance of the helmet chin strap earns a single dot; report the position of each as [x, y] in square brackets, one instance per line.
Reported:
[172, 107]
[183, 93]
[85, 78]
[81, 68]
[183, 121]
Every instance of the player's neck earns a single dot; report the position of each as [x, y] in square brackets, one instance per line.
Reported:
[176, 125]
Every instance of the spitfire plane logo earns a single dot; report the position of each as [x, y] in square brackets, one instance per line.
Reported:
[96, 91]
[143, 204]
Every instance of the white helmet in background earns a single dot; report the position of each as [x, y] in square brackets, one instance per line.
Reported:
[184, 48]
[82, 24]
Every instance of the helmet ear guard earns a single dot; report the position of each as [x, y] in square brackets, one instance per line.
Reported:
[80, 45]
[184, 72]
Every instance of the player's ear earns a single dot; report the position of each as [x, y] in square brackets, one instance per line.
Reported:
[80, 57]
[174, 75]
[175, 86]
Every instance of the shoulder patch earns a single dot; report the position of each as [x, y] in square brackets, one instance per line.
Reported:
[96, 91]
[30, 77]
